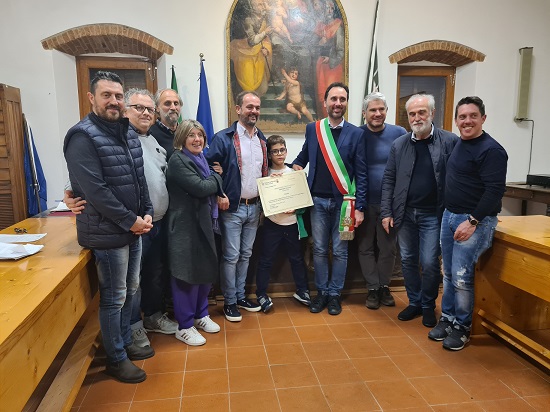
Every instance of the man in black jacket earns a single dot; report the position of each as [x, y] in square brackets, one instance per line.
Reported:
[168, 105]
[412, 201]
[105, 163]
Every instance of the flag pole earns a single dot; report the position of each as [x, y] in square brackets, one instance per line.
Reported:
[372, 72]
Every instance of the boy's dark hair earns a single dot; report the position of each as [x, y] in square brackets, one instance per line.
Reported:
[336, 84]
[275, 139]
[471, 100]
[102, 75]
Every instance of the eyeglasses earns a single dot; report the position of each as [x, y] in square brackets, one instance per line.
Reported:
[20, 230]
[141, 108]
[276, 152]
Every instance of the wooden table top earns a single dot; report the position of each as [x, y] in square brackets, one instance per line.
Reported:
[28, 285]
[532, 231]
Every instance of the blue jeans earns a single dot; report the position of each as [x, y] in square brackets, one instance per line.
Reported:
[459, 259]
[325, 221]
[118, 274]
[238, 230]
[418, 238]
[152, 275]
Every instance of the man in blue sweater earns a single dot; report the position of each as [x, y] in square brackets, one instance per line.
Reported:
[379, 137]
[475, 184]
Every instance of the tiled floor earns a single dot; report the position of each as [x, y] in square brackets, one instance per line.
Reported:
[290, 359]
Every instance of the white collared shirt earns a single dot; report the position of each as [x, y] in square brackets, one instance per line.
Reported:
[252, 160]
[414, 139]
[338, 126]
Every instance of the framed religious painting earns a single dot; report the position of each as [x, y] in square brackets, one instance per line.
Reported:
[288, 52]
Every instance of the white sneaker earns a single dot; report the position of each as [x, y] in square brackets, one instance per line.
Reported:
[190, 336]
[160, 323]
[139, 336]
[207, 325]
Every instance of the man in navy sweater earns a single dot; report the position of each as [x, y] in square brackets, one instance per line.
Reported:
[379, 137]
[475, 184]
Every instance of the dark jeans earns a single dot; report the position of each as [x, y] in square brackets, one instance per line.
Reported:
[273, 236]
[150, 295]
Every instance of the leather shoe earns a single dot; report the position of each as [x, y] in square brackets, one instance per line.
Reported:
[334, 306]
[428, 317]
[136, 352]
[409, 313]
[318, 303]
[125, 371]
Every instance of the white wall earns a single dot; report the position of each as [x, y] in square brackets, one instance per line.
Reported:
[47, 79]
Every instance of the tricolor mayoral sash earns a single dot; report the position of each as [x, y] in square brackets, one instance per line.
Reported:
[340, 176]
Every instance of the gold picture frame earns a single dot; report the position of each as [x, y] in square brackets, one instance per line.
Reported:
[308, 39]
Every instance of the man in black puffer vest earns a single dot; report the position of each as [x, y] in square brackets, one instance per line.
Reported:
[105, 163]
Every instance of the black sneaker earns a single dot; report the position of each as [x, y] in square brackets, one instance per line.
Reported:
[442, 329]
[428, 317]
[232, 313]
[386, 298]
[409, 313]
[248, 305]
[373, 299]
[126, 372]
[457, 339]
[302, 296]
[265, 302]
[318, 303]
[334, 306]
[136, 352]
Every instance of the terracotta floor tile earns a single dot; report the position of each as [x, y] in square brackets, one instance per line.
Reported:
[389, 397]
[381, 328]
[164, 362]
[349, 397]
[398, 346]
[418, 365]
[201, 359]
[346, 316]
[264, 401]
[483, 386]
[317, 333]
[279, 335]
[107, 390]
[86, 385]
[205, 382]
[458, 407]
[333, 372]
[164, 405]
[506, 405]
[211, 403]
[244, 337]
[440, 390]
[362, 348]
[112, 407]
[283, 354]
[307, 399]
[166, 343]
[525, 382]
[249, 321]
[274, 320]
[250, 378]
[307, 319]
[349, 331]
[160, 386]
[465, 362]
[213, 341]
[363, 314]
[249, 356]
[540, 403]
[293, 375]
[377, 369]
[326, 351]
[493, 355]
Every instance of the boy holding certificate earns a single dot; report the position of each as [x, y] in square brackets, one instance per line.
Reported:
[286, 228]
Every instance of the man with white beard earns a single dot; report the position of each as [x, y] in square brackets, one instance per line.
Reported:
[412, 202]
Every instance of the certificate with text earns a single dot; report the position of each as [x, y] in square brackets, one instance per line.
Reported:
[284, 193]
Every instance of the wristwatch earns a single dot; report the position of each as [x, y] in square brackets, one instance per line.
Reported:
[473, 221]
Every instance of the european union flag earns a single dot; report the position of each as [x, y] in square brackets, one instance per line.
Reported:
[204, 114]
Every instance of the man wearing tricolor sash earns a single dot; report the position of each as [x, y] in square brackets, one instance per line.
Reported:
[337, 178]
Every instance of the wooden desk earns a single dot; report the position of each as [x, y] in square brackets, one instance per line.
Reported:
[512, 286]
[42, 298]
[526, 193]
